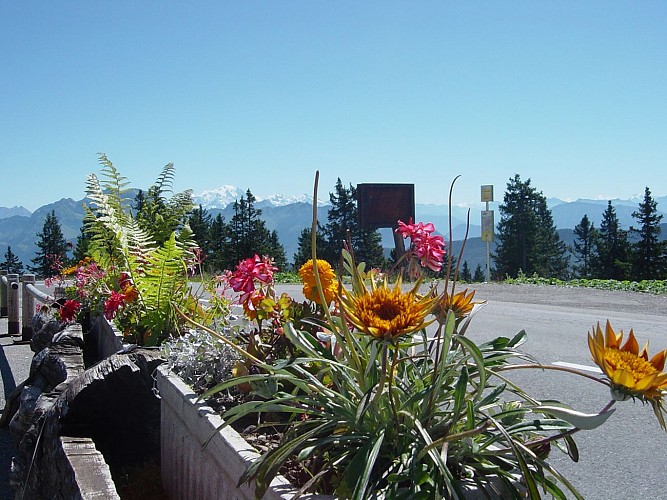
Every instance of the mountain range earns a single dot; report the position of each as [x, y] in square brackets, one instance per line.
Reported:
[289, 215]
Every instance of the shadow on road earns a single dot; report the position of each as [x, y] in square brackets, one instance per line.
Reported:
[6, 445]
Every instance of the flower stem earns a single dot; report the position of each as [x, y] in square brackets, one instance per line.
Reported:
[551, 367]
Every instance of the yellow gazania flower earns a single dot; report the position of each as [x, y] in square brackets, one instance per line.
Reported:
[461, 304]
[327, 279]
[386, 313]
[629, 370]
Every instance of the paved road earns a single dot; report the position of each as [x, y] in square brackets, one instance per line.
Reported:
[622, 460]
[14, 367]
[625, 458]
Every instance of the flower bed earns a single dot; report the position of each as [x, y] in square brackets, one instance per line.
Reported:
[197, 460]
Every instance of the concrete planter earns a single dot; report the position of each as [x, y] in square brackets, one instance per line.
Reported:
[190, 470]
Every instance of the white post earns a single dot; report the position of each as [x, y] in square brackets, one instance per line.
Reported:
[3, 294]
[13, 299]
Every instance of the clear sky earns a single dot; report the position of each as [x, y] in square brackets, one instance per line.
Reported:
[260, 95]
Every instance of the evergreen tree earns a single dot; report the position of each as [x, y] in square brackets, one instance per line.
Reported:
[466, 275]
[82, 244]
[527, 240]
[612, 248]
[277, 252]
[200, 222]
[12, 264]
[583, 247]
[648, 258]
[304, 251]
[343, 225]
[219, 237]
[248, 235]
[478, 276]
[52, 247]
[160, 215]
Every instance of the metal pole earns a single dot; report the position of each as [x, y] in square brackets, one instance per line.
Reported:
[28, 307]
[488, 254]
[13, 299]
[3, 293]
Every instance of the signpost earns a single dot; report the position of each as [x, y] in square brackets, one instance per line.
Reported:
[383, 205]
[487, 226]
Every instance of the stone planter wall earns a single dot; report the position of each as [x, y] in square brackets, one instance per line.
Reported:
[192, 470]
[46, 465]
[66, 421]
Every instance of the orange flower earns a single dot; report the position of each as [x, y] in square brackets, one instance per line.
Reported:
[629, 370]
[130, 293]
[461, 304]
[386, 313]
[327, 280]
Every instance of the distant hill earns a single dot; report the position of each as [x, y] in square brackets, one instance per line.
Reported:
[11, 212]
[20, 231]
[289, 216]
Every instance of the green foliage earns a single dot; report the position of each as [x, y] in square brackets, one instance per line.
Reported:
[526, 236]
[245, 234]
[159, 215]
[52, 248]
[612, 248]
[648, 252]
[583, 246]
[343, 225]
[12, 264]
[123, 245]
[658, 287]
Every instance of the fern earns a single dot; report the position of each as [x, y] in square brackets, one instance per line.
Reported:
[122, 243]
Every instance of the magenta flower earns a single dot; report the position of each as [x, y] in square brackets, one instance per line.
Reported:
[68, 310]
[251, 269]
[112, 305]
[428, 248]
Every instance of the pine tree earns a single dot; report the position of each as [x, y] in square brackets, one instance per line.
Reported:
[277, 252]
[648, 257]
[219, 237]
[478, 276]
[160, 215]
[583, 247]
[527, 240]
[304, 250]
[612, 248]
[12, 264]
[82, 244]
[466, 275]
[343, 225]
[200, 222]
[52, 247]
[248, 235]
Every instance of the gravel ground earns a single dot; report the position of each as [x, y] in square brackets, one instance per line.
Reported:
[575, 297]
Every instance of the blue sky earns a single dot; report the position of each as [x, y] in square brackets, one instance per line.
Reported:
[260, 95]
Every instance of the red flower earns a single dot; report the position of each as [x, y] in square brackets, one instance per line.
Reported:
[249, 270]
[429, 249]
[112, 305]
[68, 310]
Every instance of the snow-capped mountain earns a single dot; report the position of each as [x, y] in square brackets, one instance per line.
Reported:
[225, 195]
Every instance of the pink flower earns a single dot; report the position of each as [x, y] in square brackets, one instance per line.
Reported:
[112, 305]
[428, 248]
[68, 310]
[249, 270]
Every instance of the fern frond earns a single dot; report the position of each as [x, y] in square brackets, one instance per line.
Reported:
[114, 184]
[165, 180]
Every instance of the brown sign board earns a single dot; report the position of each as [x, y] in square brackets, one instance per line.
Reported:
[383, 205]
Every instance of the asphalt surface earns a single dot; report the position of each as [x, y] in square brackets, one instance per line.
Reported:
[15, 361]
[624, 459]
